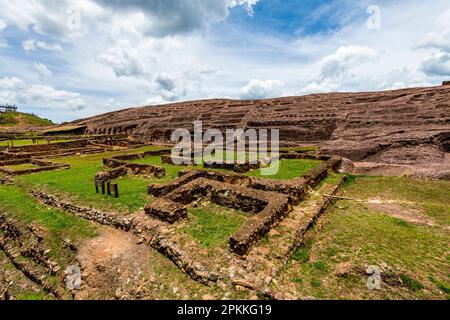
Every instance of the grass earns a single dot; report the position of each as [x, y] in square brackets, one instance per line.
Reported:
[27, 142]
[433, 196]
[23, 119]
[301, 255]
[411, 283]
[23, 166]
[77, 183]
[34, 296]
[18, 204]
[212, 225]
[289, 169]
[350, 231]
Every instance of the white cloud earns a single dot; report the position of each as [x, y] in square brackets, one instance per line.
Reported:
[160, 51]
[437, 65]
[42, 69]
[339, 64]
[260, 89]
[438, 41]
[16, 91]
[249, 4]
[337, 67]
[3, 26]
[123, 59]
[34, 45]
[164, 18]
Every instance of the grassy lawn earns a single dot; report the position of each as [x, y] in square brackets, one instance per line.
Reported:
[211, 225]
[77, 183]
[353, 232]
[18, 204]
[289, 169]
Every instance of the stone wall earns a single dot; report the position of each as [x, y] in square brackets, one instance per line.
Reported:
[103, 218]
[41, 167]
[121, 166]
[151, 231]
[268, 207]
[19, 242]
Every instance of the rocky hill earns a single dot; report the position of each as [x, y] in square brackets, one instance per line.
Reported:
[407, 126]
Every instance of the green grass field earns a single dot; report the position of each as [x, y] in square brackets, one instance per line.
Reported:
[18, 204]
[212, 225]
[356, 233]
[77, 183]
[373, 229]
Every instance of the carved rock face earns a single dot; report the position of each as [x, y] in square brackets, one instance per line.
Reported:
[353, 125]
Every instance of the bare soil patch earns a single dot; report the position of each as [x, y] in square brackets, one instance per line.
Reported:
[114, 266]
[397, 210]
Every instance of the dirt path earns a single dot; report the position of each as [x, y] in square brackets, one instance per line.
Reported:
[114, 266]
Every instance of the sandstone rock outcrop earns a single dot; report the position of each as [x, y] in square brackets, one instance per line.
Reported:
[354, 125]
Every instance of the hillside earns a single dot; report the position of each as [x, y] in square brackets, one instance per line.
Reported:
[19, 119]
[400, 126]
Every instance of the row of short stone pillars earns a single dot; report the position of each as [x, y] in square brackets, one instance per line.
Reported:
[107, 188]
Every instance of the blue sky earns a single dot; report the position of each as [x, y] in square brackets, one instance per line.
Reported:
[70, 59]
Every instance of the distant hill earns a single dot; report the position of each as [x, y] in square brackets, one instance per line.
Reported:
[19, 119]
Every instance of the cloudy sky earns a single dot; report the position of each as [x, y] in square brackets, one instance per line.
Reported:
[67, 59]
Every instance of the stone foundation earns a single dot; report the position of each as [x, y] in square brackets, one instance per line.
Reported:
[122, 166]
[42, 166]
[269, 207]
[166, 210]
[86, 213]
[151, 230]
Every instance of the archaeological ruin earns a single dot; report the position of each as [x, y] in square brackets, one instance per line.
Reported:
[166, 198]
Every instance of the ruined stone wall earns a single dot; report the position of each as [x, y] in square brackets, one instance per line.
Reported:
[51, 146]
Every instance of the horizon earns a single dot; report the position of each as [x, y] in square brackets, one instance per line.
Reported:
[69, 60]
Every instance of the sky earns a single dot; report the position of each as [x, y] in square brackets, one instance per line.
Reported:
[69, 59]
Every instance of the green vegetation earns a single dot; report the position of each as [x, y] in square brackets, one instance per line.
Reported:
[212, 225]
[410, 283]
[27, 142]
[351, 232]
[77, 183]
[432, 196]
[289, 169]
[10, 119]
[18, 204]
[301, 255]
[34, 296]
[23, 166]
